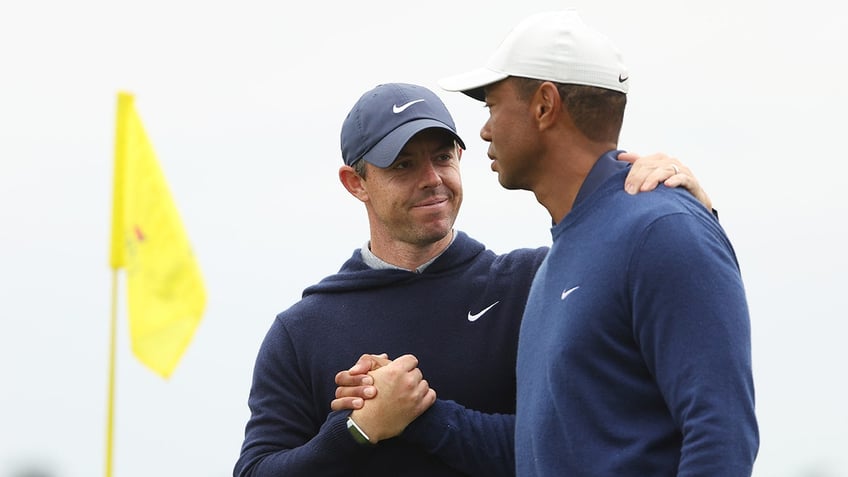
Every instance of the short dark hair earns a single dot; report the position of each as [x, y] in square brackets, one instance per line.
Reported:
[597, 112]
[360, 167]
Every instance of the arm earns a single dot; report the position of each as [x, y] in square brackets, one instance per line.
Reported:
[475, 443]
[472, 442]
[649, 171]
[692, 325]
[285, 434]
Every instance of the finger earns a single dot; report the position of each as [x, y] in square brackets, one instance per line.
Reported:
[630, 157]
[381, 359]
[345, 378]
[369, 362]
[362, 366]
[638, 174]
[657, 177]
[691, 184]
[364, 392]
[346, 403]
[640, 179]
[677, 180]
[672, 174]
[423, 387]
[427, 398]
[406, 362]
[430, 398]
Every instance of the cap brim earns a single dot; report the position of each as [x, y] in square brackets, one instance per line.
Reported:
[384, 153]
[472, 82]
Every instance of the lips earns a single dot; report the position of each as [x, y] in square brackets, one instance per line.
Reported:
[492, 158]
[432, 202]
[493, 163]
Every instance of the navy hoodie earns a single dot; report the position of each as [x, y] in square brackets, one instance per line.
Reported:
[467, 356]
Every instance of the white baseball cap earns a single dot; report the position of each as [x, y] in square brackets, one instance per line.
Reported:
[552, 46]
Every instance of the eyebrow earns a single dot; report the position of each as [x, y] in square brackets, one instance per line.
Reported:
[448, 143]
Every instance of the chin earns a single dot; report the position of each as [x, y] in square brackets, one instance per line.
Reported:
[436, 232]
[509, 184]
[504, 182]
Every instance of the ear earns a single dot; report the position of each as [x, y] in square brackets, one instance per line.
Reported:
[547, 105]
[353, 183]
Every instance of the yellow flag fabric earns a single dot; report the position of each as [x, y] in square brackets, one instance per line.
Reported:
[165, 292]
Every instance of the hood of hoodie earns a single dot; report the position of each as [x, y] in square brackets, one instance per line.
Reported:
[355, 275]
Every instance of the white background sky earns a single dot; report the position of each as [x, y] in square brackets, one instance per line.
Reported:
[244, 101]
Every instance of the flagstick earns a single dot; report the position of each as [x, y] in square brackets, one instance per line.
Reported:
[110, 419]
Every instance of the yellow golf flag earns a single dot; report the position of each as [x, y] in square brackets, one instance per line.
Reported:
[165, 293]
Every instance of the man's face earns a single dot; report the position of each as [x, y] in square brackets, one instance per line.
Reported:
[416, 199]
[513, 140]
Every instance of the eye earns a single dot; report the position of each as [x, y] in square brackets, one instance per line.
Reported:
[401, 165]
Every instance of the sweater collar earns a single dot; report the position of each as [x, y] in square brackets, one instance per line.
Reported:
[378, 263]
[605, 167]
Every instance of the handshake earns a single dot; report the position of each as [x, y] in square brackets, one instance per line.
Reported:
[385, 395]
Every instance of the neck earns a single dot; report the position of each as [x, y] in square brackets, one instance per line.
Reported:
[558, 186]
[405, 255]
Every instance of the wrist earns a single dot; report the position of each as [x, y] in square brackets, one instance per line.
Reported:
[357, 433]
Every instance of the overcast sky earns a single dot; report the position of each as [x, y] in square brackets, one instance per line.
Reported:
[244, 101]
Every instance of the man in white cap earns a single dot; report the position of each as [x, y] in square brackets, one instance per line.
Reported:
[634, 351]
[417, 290]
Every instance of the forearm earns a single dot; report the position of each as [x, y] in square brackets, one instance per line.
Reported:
[720, 434]
[718, 422]
[286, 433]
[470, 441]
[332, 451]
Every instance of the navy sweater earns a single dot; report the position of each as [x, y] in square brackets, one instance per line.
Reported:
[470, 364]
[634, 355]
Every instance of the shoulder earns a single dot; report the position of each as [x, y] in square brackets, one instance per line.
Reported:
[645, 207]
[522, 259]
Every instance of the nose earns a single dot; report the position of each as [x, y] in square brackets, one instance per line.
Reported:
[485, 132]
[430, 175]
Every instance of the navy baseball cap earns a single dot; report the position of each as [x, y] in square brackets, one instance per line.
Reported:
[385, 119]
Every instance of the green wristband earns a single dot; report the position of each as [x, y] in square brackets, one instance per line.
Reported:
[358, 435]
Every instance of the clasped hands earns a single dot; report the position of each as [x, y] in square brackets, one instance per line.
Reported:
[385, 395]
